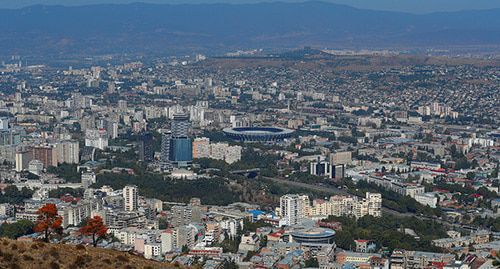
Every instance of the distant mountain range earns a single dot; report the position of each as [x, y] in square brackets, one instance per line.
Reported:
[151, 28]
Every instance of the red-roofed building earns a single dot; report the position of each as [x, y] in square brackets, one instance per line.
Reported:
[276, 236]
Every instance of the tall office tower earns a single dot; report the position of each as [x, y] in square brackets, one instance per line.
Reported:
[146, 153]
[181, 151]
[166, 138]
[181, 146]
[180, 125]
[130, 197]
[293, 208]
[321, 168]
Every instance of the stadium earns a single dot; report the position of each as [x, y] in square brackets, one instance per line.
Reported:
[258, 134]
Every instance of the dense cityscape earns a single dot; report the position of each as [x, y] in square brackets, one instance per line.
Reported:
[305, 160]
[254, 134]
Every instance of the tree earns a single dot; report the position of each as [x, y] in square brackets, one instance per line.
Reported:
[48, 221]
[312, 262]
[16, 229]
[96, 228]
[12, 195]
[162, 223]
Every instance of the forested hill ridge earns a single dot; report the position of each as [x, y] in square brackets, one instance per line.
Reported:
[23, 254]
[157, 28]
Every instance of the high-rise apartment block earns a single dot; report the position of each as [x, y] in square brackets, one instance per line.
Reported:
[130, 196]
[166, 138]
[46, 154]
[22, 160]
[68, 152]
[181, 215]
[293, 208]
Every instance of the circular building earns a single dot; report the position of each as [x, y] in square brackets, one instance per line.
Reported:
[258, 134]
[313, 236]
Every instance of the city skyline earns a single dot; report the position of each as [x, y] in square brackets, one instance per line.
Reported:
[254, 135]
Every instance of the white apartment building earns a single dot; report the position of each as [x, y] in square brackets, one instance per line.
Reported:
[340, 205]
[293, 208]
[22, 160]
[131, 198]
[74, 214]
[393, 184]
[152, 250]
[126, 236]
[374, 204]
[168, 240]
[427, 198]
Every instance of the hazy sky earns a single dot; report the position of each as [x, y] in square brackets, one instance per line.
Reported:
[413, 6]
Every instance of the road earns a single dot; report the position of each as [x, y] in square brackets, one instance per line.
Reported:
[333, 190]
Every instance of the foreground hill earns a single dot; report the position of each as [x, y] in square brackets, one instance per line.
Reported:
[199, 27]
[17, 254]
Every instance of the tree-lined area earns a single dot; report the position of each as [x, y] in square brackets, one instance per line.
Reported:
[388, 232]
[211, 191]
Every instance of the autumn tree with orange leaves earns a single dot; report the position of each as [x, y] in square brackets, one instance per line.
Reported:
[48, 221]
[95, 228]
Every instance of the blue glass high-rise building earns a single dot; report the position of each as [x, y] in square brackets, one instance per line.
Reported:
[181, 151]
[177, 147]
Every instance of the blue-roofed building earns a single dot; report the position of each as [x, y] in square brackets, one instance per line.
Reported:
[291, 260]
[256, 213]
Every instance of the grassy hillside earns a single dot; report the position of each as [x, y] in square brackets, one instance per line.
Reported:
[20, 255]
